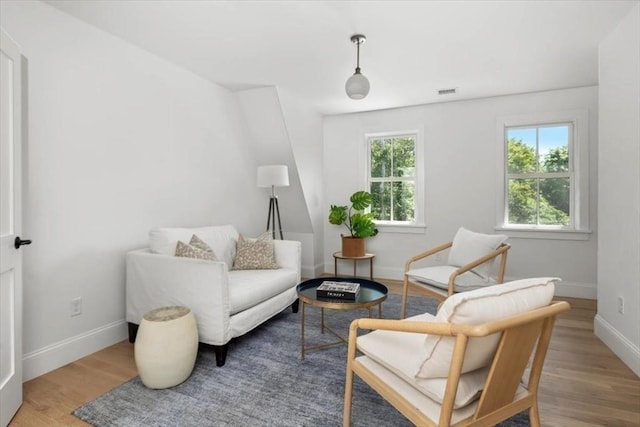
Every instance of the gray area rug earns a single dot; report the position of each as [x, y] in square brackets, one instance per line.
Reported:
[263, 383]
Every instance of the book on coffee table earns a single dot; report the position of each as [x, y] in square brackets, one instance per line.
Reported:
[338, 290]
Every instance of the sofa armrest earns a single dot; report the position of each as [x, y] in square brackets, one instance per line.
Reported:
[155, 280]
[288, 254]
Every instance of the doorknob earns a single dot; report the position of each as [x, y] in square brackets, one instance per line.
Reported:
[19, 242]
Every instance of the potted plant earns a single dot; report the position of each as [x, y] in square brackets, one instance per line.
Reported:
[359, 223]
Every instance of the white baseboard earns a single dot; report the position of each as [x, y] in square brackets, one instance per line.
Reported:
[618, 343]
[577, 290]
[53, 356]
[309, 271]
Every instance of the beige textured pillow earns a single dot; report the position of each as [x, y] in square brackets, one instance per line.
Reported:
[255, 254]
[188, 251]
[197, 242]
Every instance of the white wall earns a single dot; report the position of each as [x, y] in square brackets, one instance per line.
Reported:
[118, 141]
[304, 127]
[461, 146]
[277, 138]
[619, 191]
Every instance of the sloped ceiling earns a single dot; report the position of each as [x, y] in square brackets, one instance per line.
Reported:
[413, 48]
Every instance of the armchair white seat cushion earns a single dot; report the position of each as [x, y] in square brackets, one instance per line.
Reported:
[439, 275]
[426, 404]
[226, 303]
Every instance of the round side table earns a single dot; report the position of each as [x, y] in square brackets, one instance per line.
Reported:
[166, 346]
[355, 259]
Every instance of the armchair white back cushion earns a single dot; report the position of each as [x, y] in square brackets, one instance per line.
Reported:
[480, 306]
[469, 246]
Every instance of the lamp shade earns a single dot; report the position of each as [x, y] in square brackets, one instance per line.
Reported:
[357, 86]
[273, 175]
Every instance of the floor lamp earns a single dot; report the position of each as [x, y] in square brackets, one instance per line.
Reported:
[273, 176]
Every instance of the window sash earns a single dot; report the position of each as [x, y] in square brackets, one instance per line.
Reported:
[540, 175]
[370, 139]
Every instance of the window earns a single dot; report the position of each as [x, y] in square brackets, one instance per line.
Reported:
[392, 177]
[538, 175]
[545, 173]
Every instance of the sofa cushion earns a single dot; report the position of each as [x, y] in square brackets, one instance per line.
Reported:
[438, 276]
[221, 238]
[468, 246]
[248, 288]
[255, 254]
[403, 352]
[476, 307]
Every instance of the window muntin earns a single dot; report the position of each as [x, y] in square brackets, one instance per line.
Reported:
[539, 178]
[392, 177]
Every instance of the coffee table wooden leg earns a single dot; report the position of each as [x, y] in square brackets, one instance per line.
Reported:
[371, 268]
[302, 333]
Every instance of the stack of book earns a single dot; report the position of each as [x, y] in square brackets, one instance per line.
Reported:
[338, 290]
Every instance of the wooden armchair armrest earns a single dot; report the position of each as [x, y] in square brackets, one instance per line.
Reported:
[426, 254]
[501, 251]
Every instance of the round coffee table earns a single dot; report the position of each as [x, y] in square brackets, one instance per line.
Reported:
[371, 294]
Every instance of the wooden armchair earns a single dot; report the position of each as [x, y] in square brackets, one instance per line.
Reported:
[472, 376]
[468, 267]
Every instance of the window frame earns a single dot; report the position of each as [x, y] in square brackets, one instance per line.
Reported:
[417, 225]
[578, 228]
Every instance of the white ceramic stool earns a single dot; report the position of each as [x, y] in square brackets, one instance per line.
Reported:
[166, 346]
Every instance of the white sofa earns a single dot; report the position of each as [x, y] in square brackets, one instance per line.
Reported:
[226, 303]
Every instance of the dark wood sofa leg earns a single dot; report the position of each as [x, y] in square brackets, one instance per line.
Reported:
[221, 353]
[295, 305]
[133, 332]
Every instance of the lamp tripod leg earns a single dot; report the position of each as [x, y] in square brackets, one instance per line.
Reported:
[279, 223]
[270, 213]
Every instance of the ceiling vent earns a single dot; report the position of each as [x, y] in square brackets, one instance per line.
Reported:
[450, 91]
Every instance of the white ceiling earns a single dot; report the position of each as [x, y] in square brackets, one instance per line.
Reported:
[413, 48]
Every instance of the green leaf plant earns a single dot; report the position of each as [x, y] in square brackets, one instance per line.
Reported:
[359, 223]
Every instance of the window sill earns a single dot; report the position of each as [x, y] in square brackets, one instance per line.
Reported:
[401, 228]
[545, 233]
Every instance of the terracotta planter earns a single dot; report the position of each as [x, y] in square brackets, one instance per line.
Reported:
[352, 246]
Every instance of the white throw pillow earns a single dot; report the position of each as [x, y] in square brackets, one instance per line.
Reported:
[468, 246]
[477, 307]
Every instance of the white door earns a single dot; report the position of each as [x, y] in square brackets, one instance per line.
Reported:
[10, 223]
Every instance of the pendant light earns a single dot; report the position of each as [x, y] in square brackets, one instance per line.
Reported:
[357, 86]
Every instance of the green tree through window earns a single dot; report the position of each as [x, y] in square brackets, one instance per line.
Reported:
[392, 177]
[538, 175]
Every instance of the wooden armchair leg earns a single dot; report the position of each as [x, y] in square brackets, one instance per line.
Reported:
[405, 291]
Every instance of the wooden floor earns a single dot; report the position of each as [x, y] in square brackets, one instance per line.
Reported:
[583, 383]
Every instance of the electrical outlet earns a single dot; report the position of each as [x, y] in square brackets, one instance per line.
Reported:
[76, 306]
[621, 305]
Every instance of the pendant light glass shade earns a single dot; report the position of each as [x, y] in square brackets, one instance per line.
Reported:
[357, 86]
